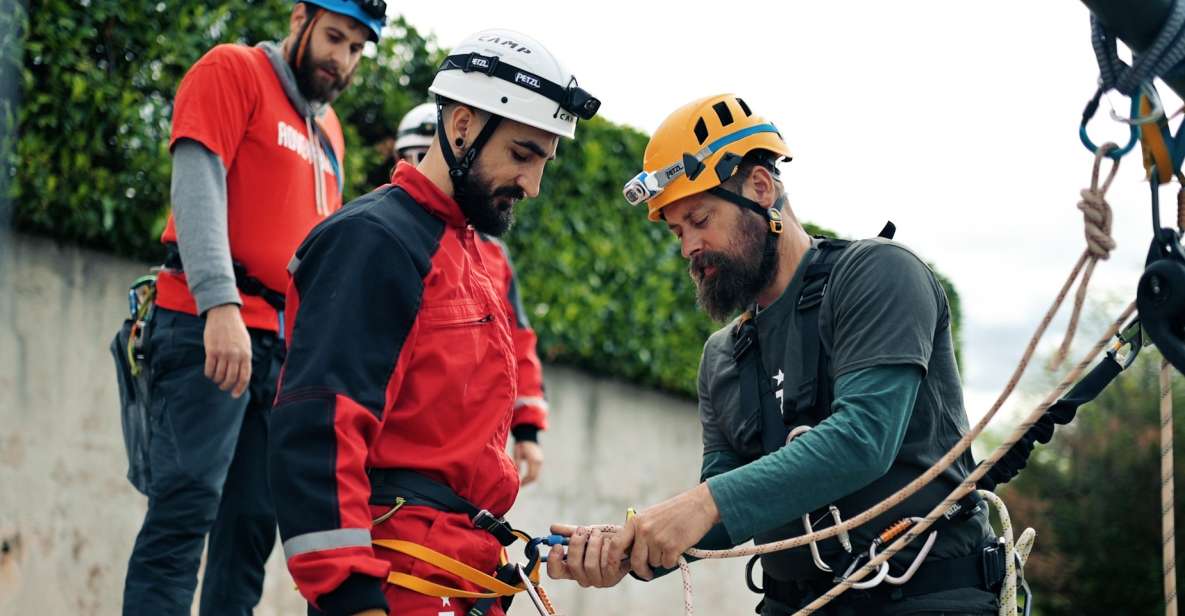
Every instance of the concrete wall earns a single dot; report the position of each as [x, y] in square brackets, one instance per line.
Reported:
[68, 516]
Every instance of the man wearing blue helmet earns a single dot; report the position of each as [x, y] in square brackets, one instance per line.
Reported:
[257, 157]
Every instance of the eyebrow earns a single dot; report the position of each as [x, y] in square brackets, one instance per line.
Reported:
[534, 148]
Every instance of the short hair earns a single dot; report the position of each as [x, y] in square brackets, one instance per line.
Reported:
[752, 160]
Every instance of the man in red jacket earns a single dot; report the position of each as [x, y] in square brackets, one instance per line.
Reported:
[257, 156]
[388, 440]
[417, 131]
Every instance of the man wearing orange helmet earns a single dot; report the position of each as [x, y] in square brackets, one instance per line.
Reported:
[844, 347]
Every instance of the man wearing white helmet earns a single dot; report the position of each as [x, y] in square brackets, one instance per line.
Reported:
[257, 160]
[388, 441]
[417, 131]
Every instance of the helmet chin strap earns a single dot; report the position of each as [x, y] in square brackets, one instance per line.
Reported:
[772, 214]
[458, 169]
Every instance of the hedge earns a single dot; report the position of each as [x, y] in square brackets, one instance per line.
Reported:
[606, 290]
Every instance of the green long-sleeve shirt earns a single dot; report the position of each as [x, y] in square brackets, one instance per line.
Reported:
[844, 453]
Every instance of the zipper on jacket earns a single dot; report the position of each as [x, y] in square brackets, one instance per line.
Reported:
[489, 318]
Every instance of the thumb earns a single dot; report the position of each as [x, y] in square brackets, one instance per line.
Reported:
[564, 530]
[621, 542]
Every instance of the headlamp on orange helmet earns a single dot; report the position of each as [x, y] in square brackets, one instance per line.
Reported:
[716, 132]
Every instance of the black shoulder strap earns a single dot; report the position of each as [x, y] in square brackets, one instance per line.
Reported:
[810, 392]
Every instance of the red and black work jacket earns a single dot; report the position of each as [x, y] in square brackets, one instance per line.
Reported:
[400, 355]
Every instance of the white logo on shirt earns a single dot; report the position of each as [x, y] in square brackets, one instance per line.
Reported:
[445, 603]
[778, 378]
[295, 140]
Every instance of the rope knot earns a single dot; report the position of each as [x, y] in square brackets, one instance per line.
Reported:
[1096, 220]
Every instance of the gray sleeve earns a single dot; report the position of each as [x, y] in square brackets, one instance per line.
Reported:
[714, 438]
[884, 308]
[199, 211]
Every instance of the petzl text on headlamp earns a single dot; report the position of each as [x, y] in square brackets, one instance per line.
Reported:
[571, 98]
[648, 184]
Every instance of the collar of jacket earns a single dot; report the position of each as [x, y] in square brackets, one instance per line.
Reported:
[428, 195]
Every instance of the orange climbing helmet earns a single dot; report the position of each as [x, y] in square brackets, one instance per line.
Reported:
[697, 148]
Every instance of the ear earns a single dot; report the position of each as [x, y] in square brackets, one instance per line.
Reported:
[462, 123]
[297, 19]
[761, 186]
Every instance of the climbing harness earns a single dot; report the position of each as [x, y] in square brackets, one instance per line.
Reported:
[396, 488]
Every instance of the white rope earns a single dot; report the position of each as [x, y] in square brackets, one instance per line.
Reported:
[1168, 533]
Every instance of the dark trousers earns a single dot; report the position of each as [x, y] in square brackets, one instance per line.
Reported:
[208, 458]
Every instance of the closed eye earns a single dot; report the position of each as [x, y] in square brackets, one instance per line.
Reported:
[699, 224]
[519, 157]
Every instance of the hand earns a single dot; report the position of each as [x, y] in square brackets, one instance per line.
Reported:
[587, 559]
[659, 535]
[228, 349]
[530, 454]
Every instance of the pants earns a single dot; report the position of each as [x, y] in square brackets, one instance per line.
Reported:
[203, 444]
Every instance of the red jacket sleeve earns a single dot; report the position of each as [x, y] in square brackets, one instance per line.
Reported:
[352, 306]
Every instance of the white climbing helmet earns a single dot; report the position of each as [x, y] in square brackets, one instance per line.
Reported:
[513, 76]
[417, 129]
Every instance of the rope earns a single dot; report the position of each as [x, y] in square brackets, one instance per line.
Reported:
[969, 483]
[945, 462]
[1013, 551]
[1168, 534]
[1165, 52]
[1096, 221]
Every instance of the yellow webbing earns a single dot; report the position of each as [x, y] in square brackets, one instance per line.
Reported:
[493, 586]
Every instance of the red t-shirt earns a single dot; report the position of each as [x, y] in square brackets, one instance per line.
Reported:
[232, 102]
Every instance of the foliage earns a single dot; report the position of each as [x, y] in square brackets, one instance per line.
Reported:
[1093, 495]
[606, 289]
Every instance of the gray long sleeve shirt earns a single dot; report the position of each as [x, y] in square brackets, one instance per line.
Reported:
[199, 198]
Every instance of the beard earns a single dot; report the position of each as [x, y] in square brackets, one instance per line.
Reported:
[315, 85]
[740, 274]
[490, 210]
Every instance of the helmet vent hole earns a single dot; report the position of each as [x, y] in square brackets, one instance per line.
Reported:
[744, 107]
[723, 112]
[505, 100]
[701, 131]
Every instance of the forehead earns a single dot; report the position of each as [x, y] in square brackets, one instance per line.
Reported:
[346, 25]
[679, 210]
[517, 131]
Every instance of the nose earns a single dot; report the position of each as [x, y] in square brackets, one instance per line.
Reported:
[691, 244]
[529, 181]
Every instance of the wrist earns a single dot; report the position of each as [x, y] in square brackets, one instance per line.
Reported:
[223, 310]
[707, 503]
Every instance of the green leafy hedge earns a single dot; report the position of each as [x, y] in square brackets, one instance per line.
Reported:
[607, 290]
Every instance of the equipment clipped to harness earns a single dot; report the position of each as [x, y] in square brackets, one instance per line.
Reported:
[130, 351]
[396, 488]
[1160, 296]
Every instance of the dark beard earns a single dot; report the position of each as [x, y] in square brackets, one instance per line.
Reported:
[489, 210]
[739, 276]
[312, 85]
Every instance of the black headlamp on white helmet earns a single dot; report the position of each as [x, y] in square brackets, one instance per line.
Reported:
[512, 76]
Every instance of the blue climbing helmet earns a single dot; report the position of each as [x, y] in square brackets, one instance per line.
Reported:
[372, 13]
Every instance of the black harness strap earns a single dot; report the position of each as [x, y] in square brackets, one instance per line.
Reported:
[387, 484]
[811, 390]
[246, 283]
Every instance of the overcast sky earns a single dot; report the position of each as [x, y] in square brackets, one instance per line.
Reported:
[956, 120]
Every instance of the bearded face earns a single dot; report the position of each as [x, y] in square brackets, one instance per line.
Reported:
[729, 281]
[489, 208]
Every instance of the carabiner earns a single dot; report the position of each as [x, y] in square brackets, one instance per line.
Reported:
[1134, 129]
[1154, 114]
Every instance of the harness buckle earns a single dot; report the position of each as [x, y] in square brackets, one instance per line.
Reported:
[992, 566]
